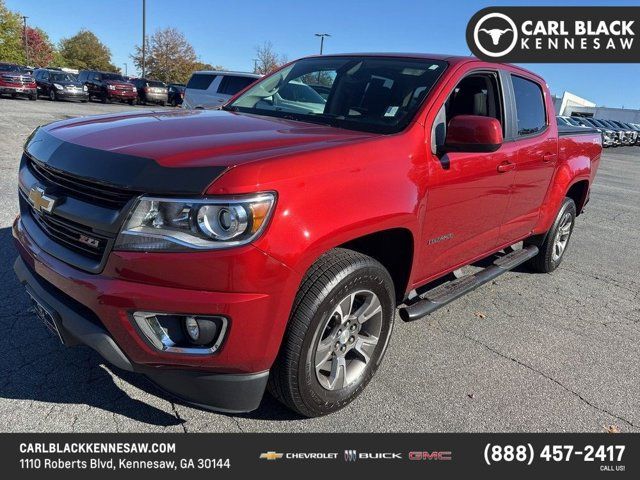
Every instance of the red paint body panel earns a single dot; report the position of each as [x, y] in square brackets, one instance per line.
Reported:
[333, 186]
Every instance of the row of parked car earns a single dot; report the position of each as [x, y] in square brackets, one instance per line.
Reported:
[205, 89]
[614, 133]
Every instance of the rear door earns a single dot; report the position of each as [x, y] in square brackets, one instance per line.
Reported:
[536, 139]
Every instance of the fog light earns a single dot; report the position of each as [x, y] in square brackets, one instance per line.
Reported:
[193, 330]
[182, 333]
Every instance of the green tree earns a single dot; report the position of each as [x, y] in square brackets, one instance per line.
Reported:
[85, 51]
[11, 36]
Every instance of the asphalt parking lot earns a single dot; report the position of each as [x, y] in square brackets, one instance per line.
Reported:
[528, 352]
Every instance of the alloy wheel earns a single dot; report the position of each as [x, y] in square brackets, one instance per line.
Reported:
[347, 341]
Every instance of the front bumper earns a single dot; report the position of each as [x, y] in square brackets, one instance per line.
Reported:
[17, 90]
[77, 326]
[96, 311]
[121, 95]
[71, 95]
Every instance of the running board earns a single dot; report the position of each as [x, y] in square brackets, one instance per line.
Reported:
[433, 299]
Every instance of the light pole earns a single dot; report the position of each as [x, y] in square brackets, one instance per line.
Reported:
[144, 35]
[255, 65]
[26, 41]
[126, 74]
[322, 35]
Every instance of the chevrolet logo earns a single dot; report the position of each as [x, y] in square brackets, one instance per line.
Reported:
[271, 456]
[40, 201]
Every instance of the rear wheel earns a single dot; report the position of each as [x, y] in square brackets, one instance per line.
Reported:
[555, 244]
[338, 333]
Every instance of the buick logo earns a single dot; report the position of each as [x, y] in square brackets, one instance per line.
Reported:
[350, 455]
[40, 201]
[495, 34]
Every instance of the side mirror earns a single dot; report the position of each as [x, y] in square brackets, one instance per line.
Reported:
[473, 133]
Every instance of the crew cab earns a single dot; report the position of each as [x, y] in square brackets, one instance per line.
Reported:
[226, 251]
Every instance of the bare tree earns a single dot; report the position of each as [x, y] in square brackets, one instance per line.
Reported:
[267, 60]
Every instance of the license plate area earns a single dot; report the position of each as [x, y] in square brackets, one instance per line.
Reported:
[46, 314]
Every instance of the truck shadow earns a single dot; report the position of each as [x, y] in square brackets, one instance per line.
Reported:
[34, 366]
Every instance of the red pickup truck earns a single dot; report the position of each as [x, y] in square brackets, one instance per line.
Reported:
[270, 243]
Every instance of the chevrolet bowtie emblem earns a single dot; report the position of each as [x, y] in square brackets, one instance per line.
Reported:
[271, 456]
[40, 201]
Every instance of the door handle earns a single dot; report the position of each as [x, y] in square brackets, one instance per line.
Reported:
[548, 157]
[506, 167]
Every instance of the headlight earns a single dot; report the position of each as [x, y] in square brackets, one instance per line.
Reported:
[167, 224]
[111, 87]
[58, 86]
[84, 87]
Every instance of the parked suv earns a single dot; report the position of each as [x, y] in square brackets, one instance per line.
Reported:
[108, 86]
[211, 89]
[59, 85]
[14, 80]
[151, 91]
[218, 252]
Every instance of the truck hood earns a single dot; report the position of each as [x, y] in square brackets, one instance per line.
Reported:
[172, 152]
[199, 137]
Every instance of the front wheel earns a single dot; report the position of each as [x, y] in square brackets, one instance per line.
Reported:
[52, 95]
[338, 332]
[555, 244]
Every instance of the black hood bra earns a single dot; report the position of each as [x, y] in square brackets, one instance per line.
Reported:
[138, 174]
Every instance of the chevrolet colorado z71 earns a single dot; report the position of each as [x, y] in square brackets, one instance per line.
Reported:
[270, 243]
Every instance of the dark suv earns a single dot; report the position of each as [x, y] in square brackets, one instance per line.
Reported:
[108, 86]
[151, 91]
[59, 85]
[176, 94]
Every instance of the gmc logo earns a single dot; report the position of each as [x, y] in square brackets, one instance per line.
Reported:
[442, 456]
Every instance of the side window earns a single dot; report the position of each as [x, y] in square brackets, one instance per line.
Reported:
[530, 109]
[476, 94]
[231, 84]
[200, 81]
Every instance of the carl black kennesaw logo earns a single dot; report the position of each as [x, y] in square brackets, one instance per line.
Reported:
[495, 34]
[556, 34]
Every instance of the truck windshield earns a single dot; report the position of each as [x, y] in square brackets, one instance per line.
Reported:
[376, 94]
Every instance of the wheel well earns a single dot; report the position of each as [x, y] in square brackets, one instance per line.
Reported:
[578, 193]
[393, 249]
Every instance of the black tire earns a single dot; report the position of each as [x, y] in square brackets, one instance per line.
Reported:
[132, 102]
[547, 260]
[52, 95]
[105, 98]
[337, 274]
[33, 97]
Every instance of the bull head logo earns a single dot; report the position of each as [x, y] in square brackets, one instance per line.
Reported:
[495, 33]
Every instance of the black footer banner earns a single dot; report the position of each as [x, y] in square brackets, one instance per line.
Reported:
[240, 455]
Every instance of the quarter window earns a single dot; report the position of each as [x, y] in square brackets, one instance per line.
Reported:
[232, 84]
[529, 106]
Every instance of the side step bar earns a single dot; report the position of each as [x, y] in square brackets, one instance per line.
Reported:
[433, 299]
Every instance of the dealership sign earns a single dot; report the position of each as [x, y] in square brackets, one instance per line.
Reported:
[556, 34]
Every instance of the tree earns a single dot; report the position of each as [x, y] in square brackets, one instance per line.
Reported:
[85, 51]
[267, 60]
[11, 36]
[40, 49]
[169, 57]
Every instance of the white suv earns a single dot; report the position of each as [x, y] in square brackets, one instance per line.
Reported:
[211, 89]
